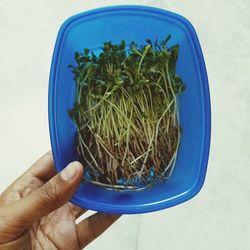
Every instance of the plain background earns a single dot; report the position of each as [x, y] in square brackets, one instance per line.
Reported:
[219, 217]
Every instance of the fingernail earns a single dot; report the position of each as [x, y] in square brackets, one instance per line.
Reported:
[70, 171]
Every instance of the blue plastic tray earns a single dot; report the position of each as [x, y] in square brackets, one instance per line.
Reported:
[90, 29]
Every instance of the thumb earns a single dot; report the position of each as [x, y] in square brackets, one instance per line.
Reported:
[52, 195]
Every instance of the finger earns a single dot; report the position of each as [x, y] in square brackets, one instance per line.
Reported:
[77, 211]
[43, 168]
[93, 226]
[52, 195]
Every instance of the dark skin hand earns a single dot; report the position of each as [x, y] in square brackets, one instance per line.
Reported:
[35, 212]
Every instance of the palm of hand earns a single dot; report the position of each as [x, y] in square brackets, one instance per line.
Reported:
[55, 231]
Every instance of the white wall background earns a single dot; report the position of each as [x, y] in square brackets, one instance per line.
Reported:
[219, 217]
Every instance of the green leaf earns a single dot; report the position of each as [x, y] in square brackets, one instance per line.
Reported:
[100, 82]
[107, 46]
[149, 41]
[122, 45]
[164, 42]
[133, 47]
[77, 57]
[93, 55]
[86, 52]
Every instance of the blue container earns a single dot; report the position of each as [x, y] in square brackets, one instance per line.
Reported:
[133, 23]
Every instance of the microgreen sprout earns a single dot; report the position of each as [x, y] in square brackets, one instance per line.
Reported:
[126, 113]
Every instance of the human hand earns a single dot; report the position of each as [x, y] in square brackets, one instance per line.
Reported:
[35, 212]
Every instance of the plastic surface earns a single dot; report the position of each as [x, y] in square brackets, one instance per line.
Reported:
[90, 29]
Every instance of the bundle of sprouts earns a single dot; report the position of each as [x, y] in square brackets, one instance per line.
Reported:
[126, 113]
